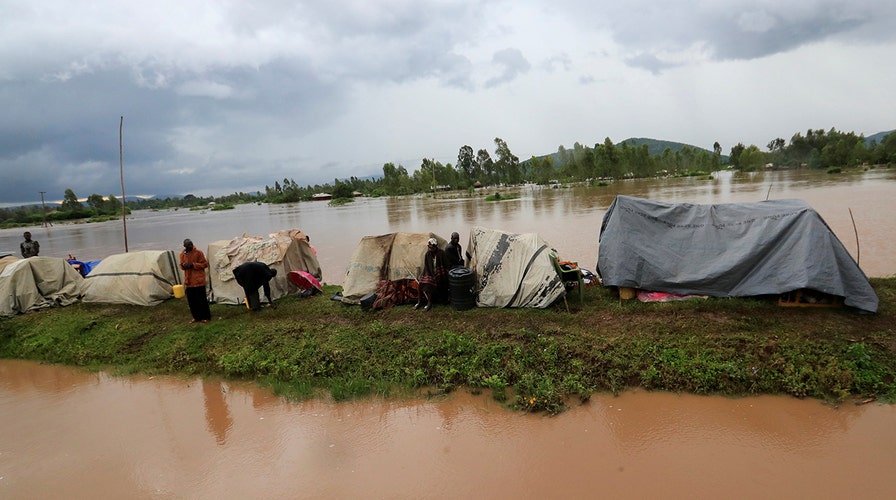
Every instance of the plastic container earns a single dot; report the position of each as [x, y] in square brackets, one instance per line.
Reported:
[462, 282]
[179, 291]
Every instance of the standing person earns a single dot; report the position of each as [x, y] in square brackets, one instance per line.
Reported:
[434, 279]
[453, 252]
[29, 247]
[252, 276]
[193, 262]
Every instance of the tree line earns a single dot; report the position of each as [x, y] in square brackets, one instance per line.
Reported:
[604, 162]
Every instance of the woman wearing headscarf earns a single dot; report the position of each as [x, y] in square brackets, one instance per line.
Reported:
[434, 278]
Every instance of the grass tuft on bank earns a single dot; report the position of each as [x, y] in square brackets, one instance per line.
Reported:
[531, 360]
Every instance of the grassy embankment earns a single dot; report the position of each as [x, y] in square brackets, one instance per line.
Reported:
[534, 360]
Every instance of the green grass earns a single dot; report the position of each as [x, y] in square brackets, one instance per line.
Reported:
[531, 360]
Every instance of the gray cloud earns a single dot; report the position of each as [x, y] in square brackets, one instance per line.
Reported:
[222, 97]
[510, 63]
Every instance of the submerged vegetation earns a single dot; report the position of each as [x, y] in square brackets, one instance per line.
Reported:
[532, 360]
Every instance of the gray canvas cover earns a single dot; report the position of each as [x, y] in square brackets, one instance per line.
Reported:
[37, 282]
[727, 250]
[513, 270]
[392, 257]
[144, 278]
[285, 251]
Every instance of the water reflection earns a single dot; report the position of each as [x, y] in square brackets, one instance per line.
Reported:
[91, 435]
[217, 413]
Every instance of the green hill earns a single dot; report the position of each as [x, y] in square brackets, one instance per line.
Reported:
[656, 146]
[878, 137]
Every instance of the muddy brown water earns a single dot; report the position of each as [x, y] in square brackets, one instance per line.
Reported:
[65, 433]
[568, 219]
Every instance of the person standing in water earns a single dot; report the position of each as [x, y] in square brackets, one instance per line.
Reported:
[194, 263]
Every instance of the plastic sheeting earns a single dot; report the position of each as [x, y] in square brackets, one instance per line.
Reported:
[285, 251]
[727, 250]
[513, 270]
[37, 282]
[391, 257]
[144, 278]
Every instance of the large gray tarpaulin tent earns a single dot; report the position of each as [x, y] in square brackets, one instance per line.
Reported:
[391, 257]
[513, 270]
[37, 282]
[727, 250]
[285, 251]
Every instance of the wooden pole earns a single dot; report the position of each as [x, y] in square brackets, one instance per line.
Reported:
[855, 230]
[124, 222]
[43, 207]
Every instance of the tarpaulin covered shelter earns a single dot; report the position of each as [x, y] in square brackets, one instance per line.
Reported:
[513, 270]
[285, 251]
[727, 250]
[390, 257]
[37, 282]
[144, 278]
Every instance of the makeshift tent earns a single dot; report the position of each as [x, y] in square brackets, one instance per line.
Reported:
[727, 250]
[513, 270]
[37, 282]
[391, 257]
[284, 251]
[144, 278]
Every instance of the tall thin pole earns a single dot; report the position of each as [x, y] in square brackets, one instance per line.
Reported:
[124, 222]
[43, 207]
[856, 230]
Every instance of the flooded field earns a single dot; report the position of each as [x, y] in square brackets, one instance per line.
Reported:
[65, 433]
[568, 218]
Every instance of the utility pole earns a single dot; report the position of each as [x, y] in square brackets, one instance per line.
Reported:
[44, 207]
[121, 173]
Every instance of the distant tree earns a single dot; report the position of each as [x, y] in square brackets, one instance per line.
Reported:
[70, 202]
[484, 159]
[507, 163]
[465, 162]
[751, 158]
[342, 190]
[776, 145]
[734, 156]
[113, 206]
[96, 202]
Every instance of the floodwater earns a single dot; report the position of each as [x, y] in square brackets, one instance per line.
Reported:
[66, 433]
[568, 219]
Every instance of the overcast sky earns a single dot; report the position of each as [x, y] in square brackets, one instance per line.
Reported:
[222, 96]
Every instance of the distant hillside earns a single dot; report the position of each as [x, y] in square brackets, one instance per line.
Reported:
[656, 146]
[878, 137]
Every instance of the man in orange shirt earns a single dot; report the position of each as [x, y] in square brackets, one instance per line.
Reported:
[194, 263]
